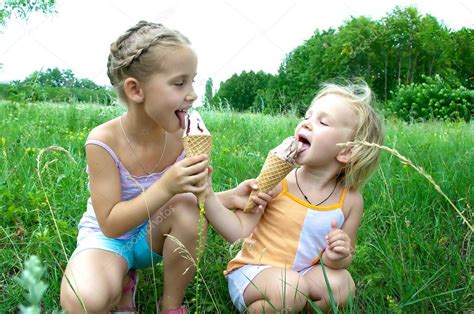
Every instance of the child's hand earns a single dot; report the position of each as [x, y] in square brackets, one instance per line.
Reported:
[208, 189]
[339, 244]
[184, 175]
[242, 193]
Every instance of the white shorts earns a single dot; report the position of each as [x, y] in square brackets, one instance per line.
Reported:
[239, 279]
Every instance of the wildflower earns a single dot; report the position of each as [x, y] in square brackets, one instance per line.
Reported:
[30, 151]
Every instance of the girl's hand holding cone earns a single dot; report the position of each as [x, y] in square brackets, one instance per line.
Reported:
[248, 190]
[187, 175]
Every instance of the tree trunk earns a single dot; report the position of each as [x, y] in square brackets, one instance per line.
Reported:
[386, 76]
[430, 69]
[407, 77]
[368, 67]
[414, 68]
[399, 66]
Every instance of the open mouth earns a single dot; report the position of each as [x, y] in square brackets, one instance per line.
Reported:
[304, 141]
[181, 114]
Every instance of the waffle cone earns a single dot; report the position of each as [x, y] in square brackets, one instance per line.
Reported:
[273, 171]
[197, 145]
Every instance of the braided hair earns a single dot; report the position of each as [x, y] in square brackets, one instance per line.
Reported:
[136, 52]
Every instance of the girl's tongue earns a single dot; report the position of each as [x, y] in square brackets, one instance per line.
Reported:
[304, 143]
[180, 114]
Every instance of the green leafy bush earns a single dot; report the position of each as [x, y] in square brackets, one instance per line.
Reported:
[435, 99]
[55, 85]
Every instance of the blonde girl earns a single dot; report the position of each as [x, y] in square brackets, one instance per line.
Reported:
[316, 212]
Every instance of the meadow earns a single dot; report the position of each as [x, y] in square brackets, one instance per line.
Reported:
[413, 254]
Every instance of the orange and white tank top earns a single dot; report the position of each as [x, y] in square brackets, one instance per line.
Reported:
[290, 234]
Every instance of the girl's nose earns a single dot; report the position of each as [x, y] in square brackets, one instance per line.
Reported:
[191, 96]
[307, 125]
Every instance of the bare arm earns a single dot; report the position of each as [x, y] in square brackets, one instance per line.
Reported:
[117, 217]
[237, 197]
[232, 225]
[341, 242]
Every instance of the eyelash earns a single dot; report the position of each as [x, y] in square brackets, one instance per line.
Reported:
[321, 122]
[182, 83]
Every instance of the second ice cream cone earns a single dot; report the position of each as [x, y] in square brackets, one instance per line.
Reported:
[273, 171]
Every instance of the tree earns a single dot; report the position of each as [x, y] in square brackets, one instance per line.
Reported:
[208, 93]
[463, 60]
[53, 78]
[400, 49]
[301, 73]
[240, 91]
[56, 85]
[23, 8]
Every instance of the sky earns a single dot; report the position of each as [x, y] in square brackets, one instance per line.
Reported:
[228, 36]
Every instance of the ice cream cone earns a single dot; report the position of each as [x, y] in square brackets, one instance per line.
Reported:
[273, 171]
[197, 145]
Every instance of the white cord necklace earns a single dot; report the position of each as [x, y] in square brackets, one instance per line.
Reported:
[135, 154]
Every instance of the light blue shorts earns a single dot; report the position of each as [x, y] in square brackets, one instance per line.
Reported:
[135, 250]
[239, 279]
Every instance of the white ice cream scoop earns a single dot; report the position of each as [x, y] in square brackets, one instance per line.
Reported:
[194, 124]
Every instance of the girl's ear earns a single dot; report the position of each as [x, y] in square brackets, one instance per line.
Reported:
[132, 90]
[345, 154]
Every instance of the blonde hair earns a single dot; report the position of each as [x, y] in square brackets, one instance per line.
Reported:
[369, 128]
[137, 52]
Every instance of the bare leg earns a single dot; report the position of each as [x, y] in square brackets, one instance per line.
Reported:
[97, 277]
[341, 283]
[275, 290]
[180, 219]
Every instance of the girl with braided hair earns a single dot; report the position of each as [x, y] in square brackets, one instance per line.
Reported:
[141, 185]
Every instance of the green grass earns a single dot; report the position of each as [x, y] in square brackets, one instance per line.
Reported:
[413, 253]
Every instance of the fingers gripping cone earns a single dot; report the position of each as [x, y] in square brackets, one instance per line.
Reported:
[196, 141]
[273, 171]
[197, 145]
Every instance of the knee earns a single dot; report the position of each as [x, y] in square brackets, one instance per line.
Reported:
[186, 213]
[292, 294]
[86, 300]
[342, 286]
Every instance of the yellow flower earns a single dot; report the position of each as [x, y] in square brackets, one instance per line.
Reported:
[2, 140]
[30, 150]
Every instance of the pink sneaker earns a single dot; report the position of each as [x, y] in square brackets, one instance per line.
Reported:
[132, 286]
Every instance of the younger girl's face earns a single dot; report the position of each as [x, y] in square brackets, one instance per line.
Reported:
[329, 121]
[170, 92]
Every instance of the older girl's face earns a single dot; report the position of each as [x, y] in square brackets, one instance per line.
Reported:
[170, 92]
[330, 120]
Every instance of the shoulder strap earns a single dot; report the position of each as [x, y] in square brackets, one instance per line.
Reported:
[343, 197]
[106, 147]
